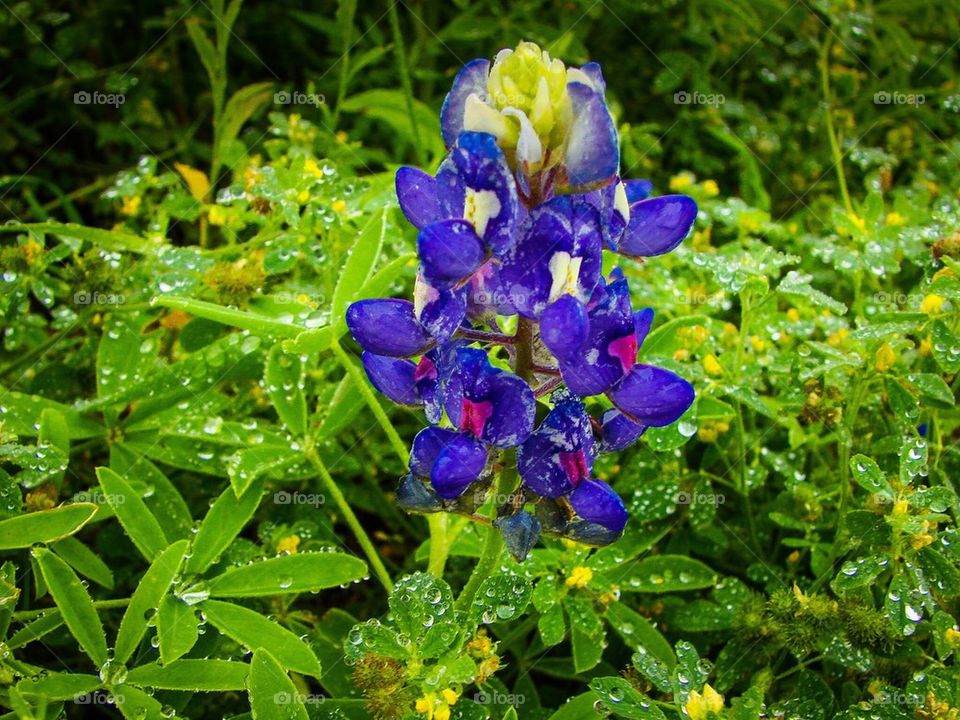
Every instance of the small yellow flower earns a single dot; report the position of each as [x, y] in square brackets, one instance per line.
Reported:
[794, 557]
[310, 167]
[793, 315]
[885, 358]
[130, 205]
[339, 206]
[894, 218]
[933, 188]
[758, 343]
[442, 713]
[449, 696]
[926, 347]
[681, 354]
[952, 636]
[289, 544]
[932, 303]
[579, 577]
[837, 337]
[710, 188]
[859, 222]
[901, 508]
[341, 137]
[701, 705]
[682, 181]
[712, 365]
[425, 705]
[480, 644]
[303, 197]
[217, 215]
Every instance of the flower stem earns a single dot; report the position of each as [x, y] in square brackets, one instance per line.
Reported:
[330, 485]
[493, 544]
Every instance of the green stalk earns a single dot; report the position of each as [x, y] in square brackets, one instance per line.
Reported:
[745, 318]
[831, 131]
[405, 78]
[440, 539]
[330, 485]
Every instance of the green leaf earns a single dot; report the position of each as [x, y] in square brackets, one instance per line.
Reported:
[639, 633]
[59, 686]
[311, 342]
[133, 514]
[98, 237]
[422, 609]
[231, 317]
[578, 707]
[166, 503]
[284, 376]
[587, 650]
[20, 413]
[196, 675]
[177, 628]
[623, 700]
[46, 623]
[797, 284]
[304, 572]
[868, 475]
[946, 347]
[933, 388]
[135, 704]
[501, 598]
[224, 521]
[239, 108]
[655, 669]
[54, 430]
[44, 526]
[667, 573]
[359, 265]
[254, 631]
[151, 589]
[273, 696]
[84, 561]
[74, 603]
[247, 465]
[859, 573]
[665, 340]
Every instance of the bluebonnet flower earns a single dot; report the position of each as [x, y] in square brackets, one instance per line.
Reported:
[512, 229]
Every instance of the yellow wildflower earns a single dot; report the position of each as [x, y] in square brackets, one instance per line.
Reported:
[884, 358]
[710, 188]
[712, 365]
[701, 705]
[339, 206]
[926, 347]
[757, 343]
[130, 205]
[837, 337]
[894, 218]
[579, 577]
[682, 181]
[932, 303]
[289, 544]
[793, 315]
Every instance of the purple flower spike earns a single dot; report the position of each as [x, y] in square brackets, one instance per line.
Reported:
[394, 377]
[559, 455]
[471, 80]
[450, 251]
[637, 190]
[652, 396]
[658, 225]
[593, 151]
[387, 327]
[439, 310]
[564, 327]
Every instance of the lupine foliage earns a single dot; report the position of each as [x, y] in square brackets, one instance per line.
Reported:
[680, 448]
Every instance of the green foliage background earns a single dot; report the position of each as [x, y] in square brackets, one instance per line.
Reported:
[196, 512]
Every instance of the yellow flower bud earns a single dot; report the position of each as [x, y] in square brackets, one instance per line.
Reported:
[710, 188]
[894, 218]
[289, 545]
[712, 365]
[682, 181]
[932, 303]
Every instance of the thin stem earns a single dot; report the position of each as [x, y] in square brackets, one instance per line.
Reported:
[548, 387]
[483, 336]
[369, 550]
[439, 543]
[831, 131]
[405, 78]
[745, 317]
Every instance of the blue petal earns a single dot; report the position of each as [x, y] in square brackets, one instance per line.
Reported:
[426, 447]
[472, 79]
[449, 251]
[458, 465]
[564, 327]
[520, 533]
[566, 429]
[657, 225]
[596, 502]
[592, 154]
[392, 376]
[387, 327]
[439, 310]
[417, 194]
[413, 495]
[514, 411]
[637, 190]
[652, 396]
[642, 320]
[619, 431]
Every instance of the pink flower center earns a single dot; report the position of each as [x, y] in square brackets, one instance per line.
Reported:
[425, 369]
[474, 416]
[574, 464]
[624, 349]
